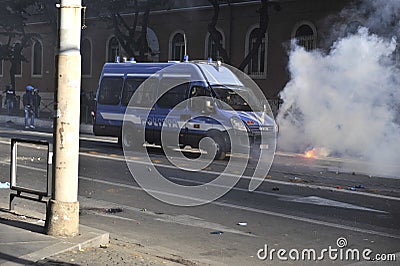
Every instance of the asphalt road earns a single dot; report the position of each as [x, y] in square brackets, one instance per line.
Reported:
[302, 204]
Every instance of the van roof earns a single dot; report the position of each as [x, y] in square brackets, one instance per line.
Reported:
[199, 71]
[139, 68]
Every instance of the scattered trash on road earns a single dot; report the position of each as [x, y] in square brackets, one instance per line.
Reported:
[113, 210]
[268, 177]
[217, 233]
[296, 180]
[242, 224]
[354, 188]
[5, 185]
[143, 210]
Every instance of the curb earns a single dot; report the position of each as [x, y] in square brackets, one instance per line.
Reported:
[88, 237]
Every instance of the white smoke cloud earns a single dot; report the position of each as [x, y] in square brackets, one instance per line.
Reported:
[346, 101]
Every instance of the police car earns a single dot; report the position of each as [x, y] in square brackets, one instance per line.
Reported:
[191, 101]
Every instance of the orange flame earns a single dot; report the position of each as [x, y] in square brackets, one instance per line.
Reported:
[309, 154]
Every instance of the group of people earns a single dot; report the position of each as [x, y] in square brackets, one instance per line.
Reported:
[31, 101]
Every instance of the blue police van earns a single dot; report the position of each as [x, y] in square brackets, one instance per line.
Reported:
[191, 100]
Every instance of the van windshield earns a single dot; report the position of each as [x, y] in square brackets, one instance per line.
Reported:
[238, 98]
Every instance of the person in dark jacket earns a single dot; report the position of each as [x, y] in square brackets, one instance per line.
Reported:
[27, 100]
[36, 102]
[10, 99]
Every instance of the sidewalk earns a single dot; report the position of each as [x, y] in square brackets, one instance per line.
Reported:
[22, 241]
[40, 123]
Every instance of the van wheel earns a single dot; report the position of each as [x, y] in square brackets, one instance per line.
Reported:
[128, 138]
[218, 143]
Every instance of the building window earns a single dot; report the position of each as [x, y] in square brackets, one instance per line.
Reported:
[211, 46]
[86, 57]
[257, 65]
[113, 49]
[177, 47]
[305, 35]
[37, 59]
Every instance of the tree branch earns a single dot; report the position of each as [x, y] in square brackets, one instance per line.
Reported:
[260, 31]
[214, 33]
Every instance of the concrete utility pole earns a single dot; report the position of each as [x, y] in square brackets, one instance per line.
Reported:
[62, 217]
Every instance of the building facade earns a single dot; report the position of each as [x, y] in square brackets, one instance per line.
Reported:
[182, 29]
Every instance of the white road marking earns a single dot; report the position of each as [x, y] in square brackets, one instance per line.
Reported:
[181, 219]
[331, 203]
[244, 208]
[300, 199]
[234, 206]
[121, 158]
[111, 216]
[197, 222]
[250, 209]
[307, 220]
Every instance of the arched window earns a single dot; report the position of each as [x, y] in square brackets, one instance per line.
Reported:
[305, 35]
[211, 46]
[86, 50]
[37, 59]
[257, 66]
[154, 46]
[113, 49]
[177, 47]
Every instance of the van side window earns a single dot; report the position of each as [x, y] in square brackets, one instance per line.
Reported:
[130, 86]
[145, 96]
[174, 96]
[110, 90]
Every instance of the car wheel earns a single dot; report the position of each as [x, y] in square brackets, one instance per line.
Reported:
[217, 143]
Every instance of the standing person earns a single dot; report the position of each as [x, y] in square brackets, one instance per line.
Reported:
[27, 100]
[10, 98]
[36, 102]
